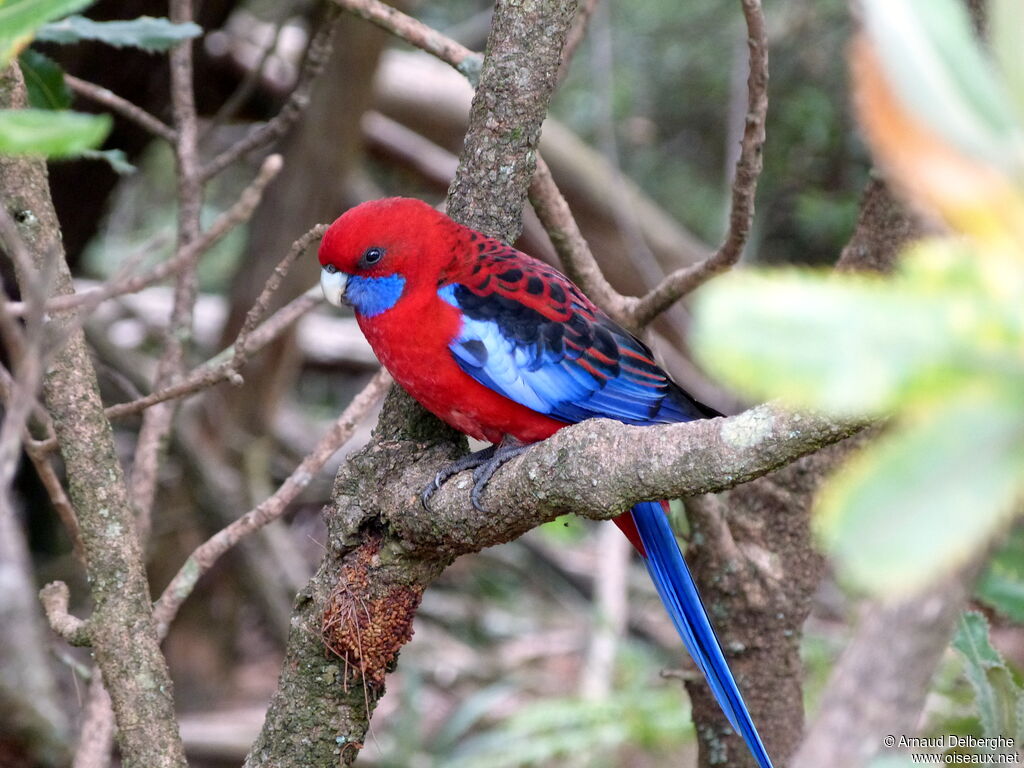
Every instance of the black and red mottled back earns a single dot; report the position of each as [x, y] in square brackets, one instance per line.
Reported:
[532, 335]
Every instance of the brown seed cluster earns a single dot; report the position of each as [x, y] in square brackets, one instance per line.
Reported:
[367, 631]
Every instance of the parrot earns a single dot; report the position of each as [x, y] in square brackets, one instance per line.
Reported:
[506, 349]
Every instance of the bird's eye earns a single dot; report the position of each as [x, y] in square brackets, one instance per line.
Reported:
[372, 256]
[330, 269]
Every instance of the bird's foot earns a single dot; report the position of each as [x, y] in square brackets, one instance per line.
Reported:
[483, 463]
[469, 461]
[505, 451]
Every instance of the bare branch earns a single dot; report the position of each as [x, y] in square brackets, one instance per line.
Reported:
[577, 259]
[251, 338]
[120, 628]
[744, 185]
[259, 308]
[96, 733]
[204, 556]
[240, 212]
[678, 460]
[576, 34]
[870, 694]
[54, 597]
[122, 106]
[316, 58]
[418, 34]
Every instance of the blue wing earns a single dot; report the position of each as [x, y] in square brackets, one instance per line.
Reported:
[543, 345]
[573, 366]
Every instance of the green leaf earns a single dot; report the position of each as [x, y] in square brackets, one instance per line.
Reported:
[851, 344]
[1002, 584]
[997, 695]
[19, 19]
[940, 72]
[927, 496]
[115, 158]
[144, 32]
[44, 81]
[53, 134]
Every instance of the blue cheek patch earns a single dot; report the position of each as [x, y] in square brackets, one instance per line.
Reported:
[372, 295]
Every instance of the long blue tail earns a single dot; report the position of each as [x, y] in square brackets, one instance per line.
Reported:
[679, 594]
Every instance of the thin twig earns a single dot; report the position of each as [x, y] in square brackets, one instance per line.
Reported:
[418, 34]
[204, 556]
[244, 90]
[240, 212]
[156, 422]
[54, 597]
[96, 735]
[122, 106]
[259, 308]
[25, 349]
[744, 185]
[576, 34]
[251, 338]
[213, 371]
[577, 258]
[316, 59]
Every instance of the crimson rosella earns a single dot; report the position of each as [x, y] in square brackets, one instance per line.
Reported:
[506, 349]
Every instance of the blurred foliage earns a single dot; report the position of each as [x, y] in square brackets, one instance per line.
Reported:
[571, 731]
[678, 98]
[940, 344]
[19, 20]
[44, 81]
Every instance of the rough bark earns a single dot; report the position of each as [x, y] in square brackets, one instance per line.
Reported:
[357, 611]
[519, 73]
[121, 628]
[755, 561]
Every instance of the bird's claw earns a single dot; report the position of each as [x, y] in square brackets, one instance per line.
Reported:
[483, 463]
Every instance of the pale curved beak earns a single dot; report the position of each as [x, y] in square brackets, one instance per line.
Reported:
[333, 285]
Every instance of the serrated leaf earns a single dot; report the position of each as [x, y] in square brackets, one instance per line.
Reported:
[19, 20]
[996, 693]
[1002, 584]
[939, 71]
[924, 498]
[145, 32]
[51, 134]
[44, 81]
[115, 158]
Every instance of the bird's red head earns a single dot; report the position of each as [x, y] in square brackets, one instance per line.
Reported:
[377, 251]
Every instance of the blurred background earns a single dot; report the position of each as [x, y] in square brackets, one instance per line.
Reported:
[551, 650]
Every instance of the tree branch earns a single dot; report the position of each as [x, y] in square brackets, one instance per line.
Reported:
[317, 54]
[415, 32]
[204, 556]
[613, 466]
[744, 184]
[123, 107]
[517, 79]
[577, 258]
[121, 626]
